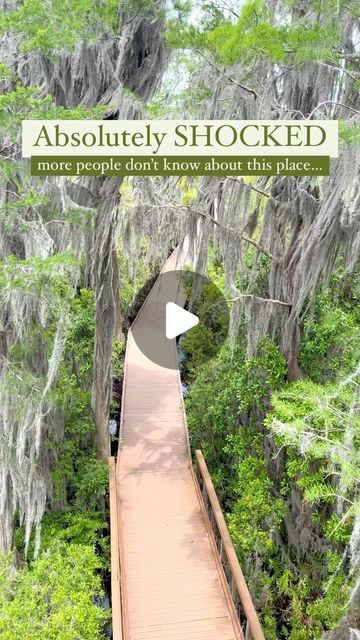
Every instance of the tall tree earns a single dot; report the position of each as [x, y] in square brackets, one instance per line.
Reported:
[276, 60]
[69, 61]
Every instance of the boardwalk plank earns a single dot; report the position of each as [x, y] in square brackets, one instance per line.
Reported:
[173, 589]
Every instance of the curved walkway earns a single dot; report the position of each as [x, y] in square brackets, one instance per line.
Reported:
[171, 578]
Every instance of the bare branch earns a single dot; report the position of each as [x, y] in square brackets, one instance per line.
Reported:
[262, 193]
[228, 77]
[349, 56]
[337, 104]
[240, 236]
[220, 226]
[225, 6]
[254, 297]
[338, 67]
[258, 246]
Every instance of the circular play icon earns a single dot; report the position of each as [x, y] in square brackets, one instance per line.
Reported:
[184, 313]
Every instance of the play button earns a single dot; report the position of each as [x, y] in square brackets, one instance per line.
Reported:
[178, 320]
[186, 304]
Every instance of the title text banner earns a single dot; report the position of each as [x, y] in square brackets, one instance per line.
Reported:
[179, 138]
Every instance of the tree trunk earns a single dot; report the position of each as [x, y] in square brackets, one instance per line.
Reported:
[118, 332]
[104, 242]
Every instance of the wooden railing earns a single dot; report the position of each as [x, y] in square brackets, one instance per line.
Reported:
[115, 555]
[240, 594]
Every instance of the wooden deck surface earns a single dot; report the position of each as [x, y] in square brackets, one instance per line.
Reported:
[172, 586]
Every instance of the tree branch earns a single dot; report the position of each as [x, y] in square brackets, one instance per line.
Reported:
[349, 56]
[338, 67]
[258, 246]
[262, 193]
[226, 7]
[240, 236]
[337, 104]
[254, 297]
[230, 78]
[242, 86]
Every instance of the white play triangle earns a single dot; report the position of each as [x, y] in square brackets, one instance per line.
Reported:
[178, 320]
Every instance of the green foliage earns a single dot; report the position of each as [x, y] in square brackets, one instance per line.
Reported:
[75, 521]
[17, 104]
[117, 358]
[132, 277]
[202, 342]
[254, 32]
[43, 277]
[28, 103]
[307, 615]
[260, 281]
[198, 345]
[260, 376]
[223, 392]
[59, 24]
[79, 478]
[349, 132]
[224, 399]
[211, 407]
[252, 537]
[319, 421]
[328, 609]
[80, 337]
[138, 8]
[331, 345]
[338, 529]
[226, 404]
[54, 597]
[70, 527]
[91, 482]
[255, 36]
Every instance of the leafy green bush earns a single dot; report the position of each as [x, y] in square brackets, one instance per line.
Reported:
[70, 527]
[80, 480]
[54, 597]
[332, 341]
[117, 358]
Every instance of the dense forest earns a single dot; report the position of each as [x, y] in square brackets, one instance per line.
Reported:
[276, 409]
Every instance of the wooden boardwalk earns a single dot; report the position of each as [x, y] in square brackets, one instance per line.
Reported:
[172, 582]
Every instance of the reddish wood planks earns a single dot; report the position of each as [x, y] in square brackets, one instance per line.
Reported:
[172, 587]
